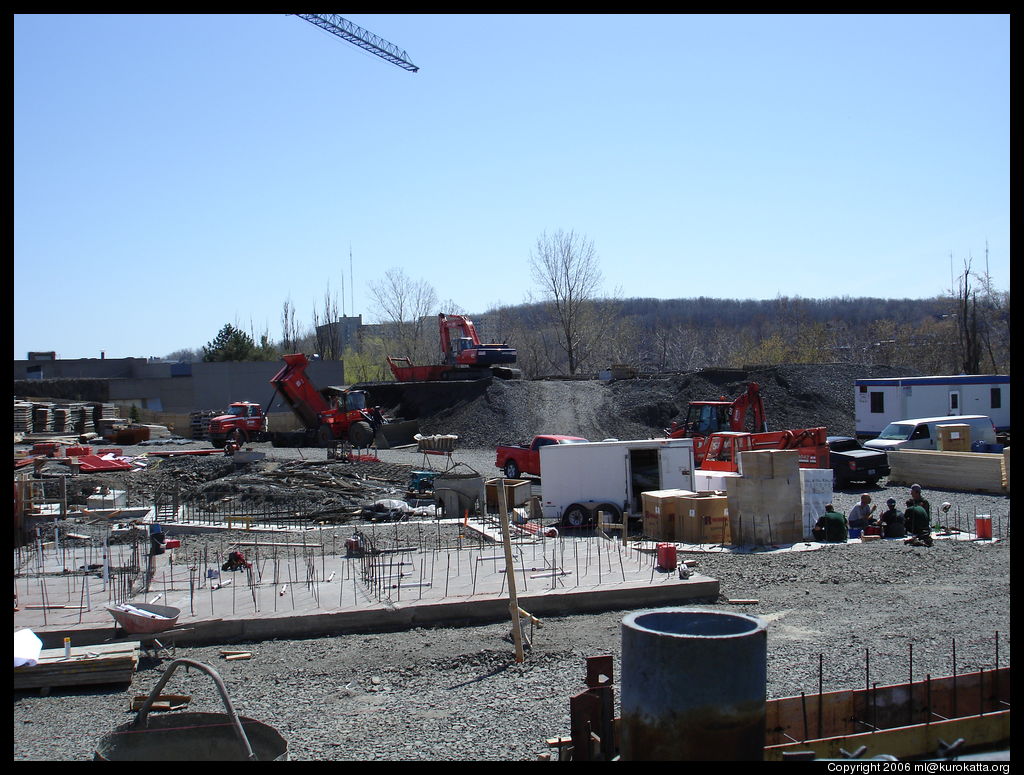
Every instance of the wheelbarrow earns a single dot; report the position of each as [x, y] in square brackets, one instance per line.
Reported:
[196, 737]
[145, 618]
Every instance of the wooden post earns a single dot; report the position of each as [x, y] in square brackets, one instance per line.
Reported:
[513, 600]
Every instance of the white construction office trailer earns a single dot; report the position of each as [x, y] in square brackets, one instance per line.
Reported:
[878, 402]
[578, 480]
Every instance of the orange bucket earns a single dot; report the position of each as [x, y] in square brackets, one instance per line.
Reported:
[983, 527]
[667, 556]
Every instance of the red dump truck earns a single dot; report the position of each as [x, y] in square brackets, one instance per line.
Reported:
[515, 460]
[329, 415]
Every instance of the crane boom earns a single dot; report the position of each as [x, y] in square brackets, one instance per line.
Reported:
[353, 33]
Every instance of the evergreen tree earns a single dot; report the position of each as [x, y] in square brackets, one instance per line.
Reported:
[231, 344]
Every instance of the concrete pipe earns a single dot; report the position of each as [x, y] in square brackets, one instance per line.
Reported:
[693, 685]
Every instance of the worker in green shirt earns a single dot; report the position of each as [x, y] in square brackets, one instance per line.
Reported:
[831, 526]
[918, 522]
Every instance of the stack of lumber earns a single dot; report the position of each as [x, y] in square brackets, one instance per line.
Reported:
[62, 422]
[101, 664]
[84, 419]
[103, 412]
[42, 418]
[22, 417]
[970, 471]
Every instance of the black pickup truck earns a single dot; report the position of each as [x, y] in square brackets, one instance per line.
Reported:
[851, 462]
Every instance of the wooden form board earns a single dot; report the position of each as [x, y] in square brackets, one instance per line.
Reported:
[971, 471]
[910, 718]
[101, 664]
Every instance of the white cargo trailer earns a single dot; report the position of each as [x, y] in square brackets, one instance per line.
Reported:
[878, 402]
[578, 480]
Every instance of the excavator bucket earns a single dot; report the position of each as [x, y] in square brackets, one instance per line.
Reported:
[396, 434]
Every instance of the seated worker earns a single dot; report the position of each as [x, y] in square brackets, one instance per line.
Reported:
[892, 522]
[917, 519]
[862, 514]
[831, 526]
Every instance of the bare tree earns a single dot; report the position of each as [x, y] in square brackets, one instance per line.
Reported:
[406, 305]
[289, 328]
[566, 267]
[328, 342]
[970, 333]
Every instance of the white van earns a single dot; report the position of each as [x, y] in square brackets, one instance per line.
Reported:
[924, 434]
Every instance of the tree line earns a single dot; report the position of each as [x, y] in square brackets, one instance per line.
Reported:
[572, 327]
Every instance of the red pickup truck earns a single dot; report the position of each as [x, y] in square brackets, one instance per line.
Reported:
[516, 460]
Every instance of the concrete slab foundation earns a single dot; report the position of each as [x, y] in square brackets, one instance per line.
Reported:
[296, 590]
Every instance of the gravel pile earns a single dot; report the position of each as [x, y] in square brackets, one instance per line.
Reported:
[795, 396]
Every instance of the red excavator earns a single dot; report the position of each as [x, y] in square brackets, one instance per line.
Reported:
[463, 356]
[718, 430]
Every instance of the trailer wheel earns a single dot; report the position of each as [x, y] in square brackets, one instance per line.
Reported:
[360, 434]
[575, 516]
[611, 512]
[511, 470]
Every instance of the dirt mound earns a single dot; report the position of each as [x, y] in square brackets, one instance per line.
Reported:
[795, 396]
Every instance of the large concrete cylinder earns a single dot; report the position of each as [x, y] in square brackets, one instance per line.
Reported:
[693, 685]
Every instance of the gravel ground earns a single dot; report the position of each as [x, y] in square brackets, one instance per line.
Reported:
[456, 693]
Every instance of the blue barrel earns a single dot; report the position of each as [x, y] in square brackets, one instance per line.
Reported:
[855, 532]
[155, 528]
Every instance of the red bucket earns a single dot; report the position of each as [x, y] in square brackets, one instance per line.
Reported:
[983, 527]
[667, 556]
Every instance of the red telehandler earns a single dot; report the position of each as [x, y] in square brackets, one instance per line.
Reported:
[718, 430]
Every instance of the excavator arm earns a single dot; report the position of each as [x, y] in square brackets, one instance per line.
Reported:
[749, 401]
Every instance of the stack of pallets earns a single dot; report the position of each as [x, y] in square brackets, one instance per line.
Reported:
[200, 423]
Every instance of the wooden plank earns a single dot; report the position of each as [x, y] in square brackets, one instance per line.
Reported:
[87, 665]
[978, 471]
[847, 713]
[903, 742]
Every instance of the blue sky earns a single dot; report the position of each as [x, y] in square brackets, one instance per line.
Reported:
[176, 173]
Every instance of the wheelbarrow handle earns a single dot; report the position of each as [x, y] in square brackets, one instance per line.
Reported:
[143, 713]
